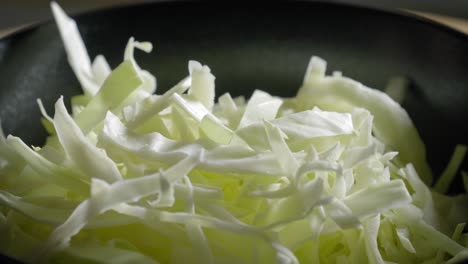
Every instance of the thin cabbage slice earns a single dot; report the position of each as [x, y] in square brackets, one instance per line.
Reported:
[153, 105]
[194, 231]
[202, 87]
[278, 146]
[449, 173]
[87, 157]
[371, 228]
[92, 75]
[101, 69]
[209, 125]
[78, 57]
[260, 106]
[404, 238]
[183, 127]
[118, 86]
[229, 110]
[148, 85]
[366, 202]
[215, 130]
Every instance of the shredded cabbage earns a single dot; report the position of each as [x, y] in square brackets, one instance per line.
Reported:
[336, 174]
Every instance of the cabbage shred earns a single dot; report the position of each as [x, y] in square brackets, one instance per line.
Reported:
[334, 175]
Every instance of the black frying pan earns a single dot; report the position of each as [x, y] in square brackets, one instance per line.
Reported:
[249, 48]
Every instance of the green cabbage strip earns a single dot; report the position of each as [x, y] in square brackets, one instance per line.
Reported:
[449, 173]
[329, 176]
[126, 78]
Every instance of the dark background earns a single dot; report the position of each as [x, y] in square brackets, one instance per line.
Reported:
[14, 13]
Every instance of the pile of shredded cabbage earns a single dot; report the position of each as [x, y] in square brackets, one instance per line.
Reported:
[336, 174]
